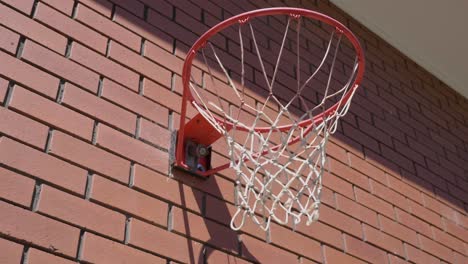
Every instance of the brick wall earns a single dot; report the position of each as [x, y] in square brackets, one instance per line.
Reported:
[89, 93]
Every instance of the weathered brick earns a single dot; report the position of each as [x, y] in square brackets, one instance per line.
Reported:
[81, 212]
[69, 27]
[16, 187]
[39, 230]
[42, 166]
[128, 200]
[100, 250]
[23, 128]
[89, 156]
[98, 108]
[51, 113]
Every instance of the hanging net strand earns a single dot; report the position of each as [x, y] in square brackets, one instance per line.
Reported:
[278, 170]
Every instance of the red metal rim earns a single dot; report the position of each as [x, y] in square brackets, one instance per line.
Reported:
[241, 18]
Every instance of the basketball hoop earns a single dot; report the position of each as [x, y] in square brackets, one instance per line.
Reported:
[275, 143]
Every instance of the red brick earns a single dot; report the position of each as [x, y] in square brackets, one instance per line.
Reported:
[341, 221]
[134, 102]
[37, 257]
[349, 174]
[434, 248]
[51, 113]
[3, 89]
[459, 259]
[425, 214]
[89, 156]
[132, 149]
[104, 66]
[64, 6]
[413, 223]
[24, 6]
[383, 240]
[136, 8]
[338, 185]
[108, 28]
[216, 256]
[356, 210]
[23, 128]
[158, 54]
[143, 29]
[101, 6]
[300, 244]
[321, 232]
[32, 29]
[140, 64]
[161, 6]
[395, 260]
[42, 166]
[155, 134]
[28, 75]
[161, 241]
[456, 230]
[161, 95]
[404, 189]
[360, 137]
[261, 252]
[389, 195]
[333, 256]
[100, 250]
[207, 231]
[417, 256]
[10, 252]
[71, 28]
[98, 108]
[60, 65]
[364, 251]
[397, 230]
[129, 200]
[16, 187]
[8, 40]
[374, 203]
[38, 230]
[367, 168]
[439, 207]
[448, 240]
[80, 212]
[166, 188]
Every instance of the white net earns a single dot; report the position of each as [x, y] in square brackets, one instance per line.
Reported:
[276, 150]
